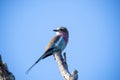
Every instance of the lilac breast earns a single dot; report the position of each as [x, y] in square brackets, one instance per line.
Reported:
[65, 36]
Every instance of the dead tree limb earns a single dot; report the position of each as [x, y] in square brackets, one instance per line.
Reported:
[63, 67]
[5, 74]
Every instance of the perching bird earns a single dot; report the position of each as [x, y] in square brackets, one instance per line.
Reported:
[58, 43]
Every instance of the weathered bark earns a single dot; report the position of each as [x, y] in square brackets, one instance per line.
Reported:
[4, 72]
[63, 67]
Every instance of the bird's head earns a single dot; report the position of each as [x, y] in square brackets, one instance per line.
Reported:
[61, 31]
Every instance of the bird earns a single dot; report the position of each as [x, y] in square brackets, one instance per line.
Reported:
[58, 43]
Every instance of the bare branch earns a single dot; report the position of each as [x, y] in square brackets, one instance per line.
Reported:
[63, 67]
[4, 72]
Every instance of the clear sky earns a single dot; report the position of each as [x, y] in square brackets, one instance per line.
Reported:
[94, 44]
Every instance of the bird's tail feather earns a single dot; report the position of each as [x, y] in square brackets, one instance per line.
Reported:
[46, 54]
[33, 65]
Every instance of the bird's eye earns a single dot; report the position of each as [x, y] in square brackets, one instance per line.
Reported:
[61, 29]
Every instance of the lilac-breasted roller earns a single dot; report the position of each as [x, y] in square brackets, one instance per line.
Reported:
[58, 43]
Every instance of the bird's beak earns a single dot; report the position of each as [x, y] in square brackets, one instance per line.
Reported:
[55, 30]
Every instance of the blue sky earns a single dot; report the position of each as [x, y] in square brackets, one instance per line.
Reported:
[94, 44]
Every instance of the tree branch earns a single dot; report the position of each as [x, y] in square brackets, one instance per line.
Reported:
[4, 72]
[63, 67]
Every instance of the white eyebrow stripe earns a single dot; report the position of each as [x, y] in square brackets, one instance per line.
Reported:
[58, 42]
